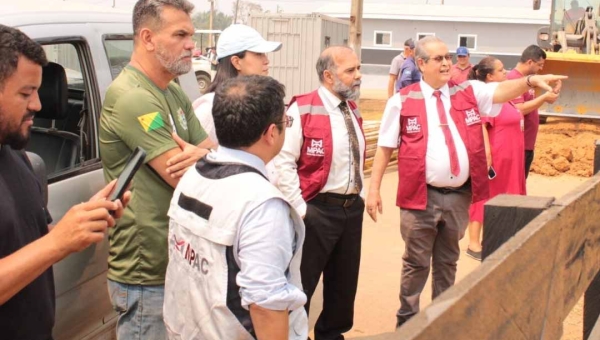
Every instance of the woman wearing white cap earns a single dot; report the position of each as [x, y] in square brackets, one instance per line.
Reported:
[241, 50]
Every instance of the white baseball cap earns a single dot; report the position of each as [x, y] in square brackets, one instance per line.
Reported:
[239, 38]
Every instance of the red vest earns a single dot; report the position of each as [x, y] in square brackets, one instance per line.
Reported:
[316, 153]
[412, 185]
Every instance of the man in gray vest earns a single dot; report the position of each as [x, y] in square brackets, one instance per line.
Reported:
[235, 244]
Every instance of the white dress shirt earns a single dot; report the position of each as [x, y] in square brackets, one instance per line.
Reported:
[437, 162]
[264, 246]
[341, 174]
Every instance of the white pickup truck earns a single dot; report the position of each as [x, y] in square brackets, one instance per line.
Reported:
[205, 68]
[205, 72]
[92, 44]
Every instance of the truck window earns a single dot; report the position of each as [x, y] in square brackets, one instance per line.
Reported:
[66, 55]
[63, 135]
[118, 50]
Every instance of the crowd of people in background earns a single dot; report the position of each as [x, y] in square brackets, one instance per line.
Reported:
[244, 203]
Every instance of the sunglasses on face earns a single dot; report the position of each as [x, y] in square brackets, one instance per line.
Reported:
[439, 58]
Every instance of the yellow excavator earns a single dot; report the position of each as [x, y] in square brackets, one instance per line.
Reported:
[572, 42]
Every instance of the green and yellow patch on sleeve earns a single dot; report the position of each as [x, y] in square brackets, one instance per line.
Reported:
[151, 121]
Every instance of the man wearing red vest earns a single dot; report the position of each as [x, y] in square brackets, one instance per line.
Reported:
[436, 126]
[320, 171]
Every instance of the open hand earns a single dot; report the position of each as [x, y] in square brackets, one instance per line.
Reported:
[374, 204]
[178, 164]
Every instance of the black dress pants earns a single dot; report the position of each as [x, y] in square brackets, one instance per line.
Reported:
[332, 247]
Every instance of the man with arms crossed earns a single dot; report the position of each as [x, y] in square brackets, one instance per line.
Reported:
[145, 107]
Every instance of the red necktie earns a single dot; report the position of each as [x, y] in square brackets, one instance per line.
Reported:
[454, 166]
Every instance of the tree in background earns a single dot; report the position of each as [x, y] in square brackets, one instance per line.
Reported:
[201, 21]
[242, 10]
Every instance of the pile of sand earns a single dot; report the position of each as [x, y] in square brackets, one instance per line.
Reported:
[566, 146]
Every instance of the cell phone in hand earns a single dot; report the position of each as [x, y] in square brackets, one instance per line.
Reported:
[135, 160]
[491, 173]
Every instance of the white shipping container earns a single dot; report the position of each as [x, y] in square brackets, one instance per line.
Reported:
[304, 37]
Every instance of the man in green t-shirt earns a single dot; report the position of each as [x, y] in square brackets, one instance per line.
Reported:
[144, 107]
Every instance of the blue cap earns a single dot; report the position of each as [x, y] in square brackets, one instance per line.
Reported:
[462, 51]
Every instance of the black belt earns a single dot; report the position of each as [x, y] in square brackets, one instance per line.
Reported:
[336, 199]
[448, 190]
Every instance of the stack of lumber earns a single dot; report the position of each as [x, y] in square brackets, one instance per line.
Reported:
[371, 129]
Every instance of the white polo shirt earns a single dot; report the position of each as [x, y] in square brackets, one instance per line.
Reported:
[437, 162]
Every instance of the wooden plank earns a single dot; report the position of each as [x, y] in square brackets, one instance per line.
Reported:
[527, 287]
[505, 215]
[594, 333]
[591, 310]
[578, 255]
[591, 300]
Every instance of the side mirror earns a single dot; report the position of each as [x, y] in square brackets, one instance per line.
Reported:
[537, 4]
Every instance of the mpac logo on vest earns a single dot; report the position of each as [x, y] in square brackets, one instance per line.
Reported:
[472, 117]
[189, 254]
[315, 148]
[412, 125]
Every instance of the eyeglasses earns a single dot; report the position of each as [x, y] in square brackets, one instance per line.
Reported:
[439, 58]
[288, 121]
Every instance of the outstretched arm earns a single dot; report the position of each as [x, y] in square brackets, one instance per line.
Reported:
[510, 89]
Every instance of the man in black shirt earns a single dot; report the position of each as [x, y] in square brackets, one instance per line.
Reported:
[27, 247]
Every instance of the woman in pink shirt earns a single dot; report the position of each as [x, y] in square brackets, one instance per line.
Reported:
[505, 152]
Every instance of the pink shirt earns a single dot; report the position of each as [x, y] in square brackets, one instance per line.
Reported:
[459, 75]
[532, 120]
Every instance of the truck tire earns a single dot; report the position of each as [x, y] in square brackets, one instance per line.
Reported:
[203, 82]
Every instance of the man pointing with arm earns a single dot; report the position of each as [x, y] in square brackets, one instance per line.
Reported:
[442, 166]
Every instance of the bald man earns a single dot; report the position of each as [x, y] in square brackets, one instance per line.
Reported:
[320, 170]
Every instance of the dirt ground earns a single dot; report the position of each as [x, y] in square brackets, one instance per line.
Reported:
[381, 262]
[563, 159]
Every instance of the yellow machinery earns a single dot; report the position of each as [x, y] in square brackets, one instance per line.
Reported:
[572, 42]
